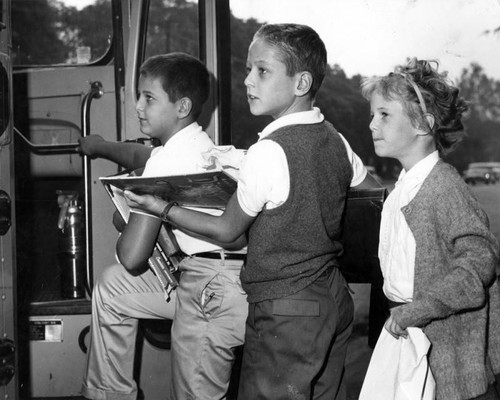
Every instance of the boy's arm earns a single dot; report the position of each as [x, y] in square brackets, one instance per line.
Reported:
[225, 228]
[128, 155]
[137, 240]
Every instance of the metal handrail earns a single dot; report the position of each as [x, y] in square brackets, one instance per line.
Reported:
[96, 91]
[48, 148]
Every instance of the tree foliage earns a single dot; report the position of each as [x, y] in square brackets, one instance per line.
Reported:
[35, 33]
[482, 141]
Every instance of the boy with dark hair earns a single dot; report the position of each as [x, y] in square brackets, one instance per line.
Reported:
[291, 195]
[209, 306]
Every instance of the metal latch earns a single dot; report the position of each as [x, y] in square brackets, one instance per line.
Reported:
[5, 213]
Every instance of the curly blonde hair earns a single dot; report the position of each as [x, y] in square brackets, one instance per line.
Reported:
[419, 80]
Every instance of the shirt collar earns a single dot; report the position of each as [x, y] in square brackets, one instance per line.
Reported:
[189, 130]
[420, 170]
[313, 116]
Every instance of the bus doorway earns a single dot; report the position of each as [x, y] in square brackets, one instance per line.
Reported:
[74, 70]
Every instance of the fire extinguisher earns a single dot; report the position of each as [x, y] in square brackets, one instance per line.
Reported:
[71, 253]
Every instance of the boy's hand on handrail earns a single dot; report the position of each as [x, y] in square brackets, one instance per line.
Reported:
[90, 145]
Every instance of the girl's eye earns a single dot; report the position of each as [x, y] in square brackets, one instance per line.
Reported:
[262, 71]
[384, 114]
[149, 98]
[247, 70]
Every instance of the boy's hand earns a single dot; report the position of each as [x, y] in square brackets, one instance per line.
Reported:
[90, 145]
[151, 204]
[394, 329]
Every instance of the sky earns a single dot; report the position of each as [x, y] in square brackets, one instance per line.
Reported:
[370, 37]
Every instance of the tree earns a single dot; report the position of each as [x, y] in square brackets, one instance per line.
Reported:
[35, 34]
[482, 141]
[90, 27]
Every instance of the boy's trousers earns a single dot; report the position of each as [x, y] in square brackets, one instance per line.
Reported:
[295, 347]
[209, 330]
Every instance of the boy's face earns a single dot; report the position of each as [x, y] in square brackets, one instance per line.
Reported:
[270, 90]
[157, 114]
[392, 132]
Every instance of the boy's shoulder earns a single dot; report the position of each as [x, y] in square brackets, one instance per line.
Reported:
[319, 126]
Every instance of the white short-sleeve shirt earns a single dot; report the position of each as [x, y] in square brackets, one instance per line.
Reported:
[264, 179]
[182, 155]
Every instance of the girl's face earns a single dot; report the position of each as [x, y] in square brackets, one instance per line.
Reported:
[157, 114]
[270, 90]
[392, 132]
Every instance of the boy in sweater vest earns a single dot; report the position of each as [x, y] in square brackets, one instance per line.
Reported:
[291, 195]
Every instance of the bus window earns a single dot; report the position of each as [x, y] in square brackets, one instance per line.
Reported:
[172, 26]
[59, 33]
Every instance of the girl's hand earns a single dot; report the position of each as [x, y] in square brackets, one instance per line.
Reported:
[149, 203]
[394, 329]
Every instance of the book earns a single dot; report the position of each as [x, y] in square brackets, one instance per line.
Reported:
[166, 256]
[204, 190]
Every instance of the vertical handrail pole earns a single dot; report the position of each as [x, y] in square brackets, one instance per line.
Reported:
[96, 91]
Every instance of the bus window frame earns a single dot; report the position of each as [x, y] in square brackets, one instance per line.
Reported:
[214, 46]
[105, 59]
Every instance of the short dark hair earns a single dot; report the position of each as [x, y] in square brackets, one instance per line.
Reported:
[181, 76]
[300, 49]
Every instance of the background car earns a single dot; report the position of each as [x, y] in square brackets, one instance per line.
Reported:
[482, 172]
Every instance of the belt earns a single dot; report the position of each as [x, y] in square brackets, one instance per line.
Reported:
[216, 255]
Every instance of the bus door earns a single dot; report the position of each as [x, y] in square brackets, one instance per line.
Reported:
[67, 82]
[74, 71]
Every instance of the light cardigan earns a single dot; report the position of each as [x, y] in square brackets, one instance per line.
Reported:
[456, 294]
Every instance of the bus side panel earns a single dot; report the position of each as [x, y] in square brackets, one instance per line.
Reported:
[8, 317]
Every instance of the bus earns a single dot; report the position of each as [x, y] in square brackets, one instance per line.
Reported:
[68, 70]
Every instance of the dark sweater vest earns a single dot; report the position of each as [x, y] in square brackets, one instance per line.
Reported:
[290, 246]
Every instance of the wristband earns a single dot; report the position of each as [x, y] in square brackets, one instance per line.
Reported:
[166, 210]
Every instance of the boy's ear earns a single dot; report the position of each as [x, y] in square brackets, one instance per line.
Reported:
[185, 106]
[304, 84]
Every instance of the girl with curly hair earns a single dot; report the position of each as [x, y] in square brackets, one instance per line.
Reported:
[436, 251]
